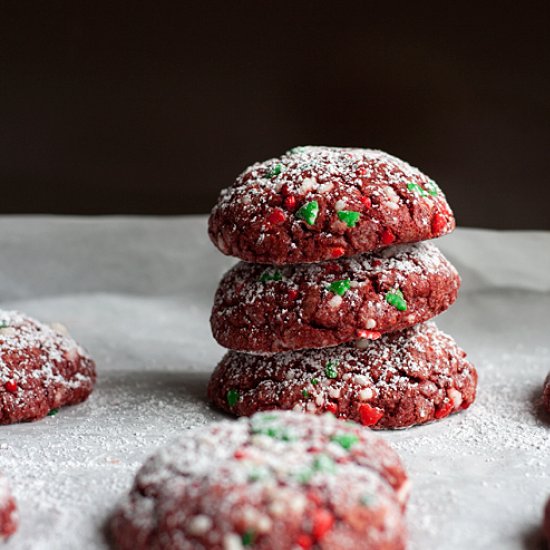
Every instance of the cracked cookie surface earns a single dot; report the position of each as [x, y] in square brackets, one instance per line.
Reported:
[41, 369]
[272, 309]
[319, 203]
[405, 378]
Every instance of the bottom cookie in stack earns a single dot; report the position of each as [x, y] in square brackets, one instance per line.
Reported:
[405, 378]
[276, 481]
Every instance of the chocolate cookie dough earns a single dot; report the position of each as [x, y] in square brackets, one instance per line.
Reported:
[41, 369]
[404, 378]
[269, 309]
[320, 203]
[276, 481]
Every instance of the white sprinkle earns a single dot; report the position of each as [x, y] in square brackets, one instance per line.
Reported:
[308, 184]
[366, 394]
[198, 525]
[455, 396]
[232, 542]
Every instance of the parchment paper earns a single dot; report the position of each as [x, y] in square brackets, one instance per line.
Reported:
[137, 293]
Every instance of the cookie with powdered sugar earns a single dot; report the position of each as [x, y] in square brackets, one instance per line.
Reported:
[271, 309]
[8, 511]
[403, 379]
[281, 480]
[41, 369]
[320, 203]
[546, 394]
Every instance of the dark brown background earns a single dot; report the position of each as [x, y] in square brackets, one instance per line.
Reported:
[139, 108]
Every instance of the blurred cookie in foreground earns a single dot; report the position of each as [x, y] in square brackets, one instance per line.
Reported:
[8, 511]
[280, 480]
[405, 378]
[41, 369]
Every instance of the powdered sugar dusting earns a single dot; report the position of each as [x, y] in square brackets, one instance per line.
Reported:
[40, 368]
[409, 377]
[316, 203]
[247, 478]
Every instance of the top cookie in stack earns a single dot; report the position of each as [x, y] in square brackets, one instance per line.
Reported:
[321, 203]
[343, 304]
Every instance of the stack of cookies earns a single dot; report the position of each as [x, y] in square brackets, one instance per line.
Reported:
[330, 309]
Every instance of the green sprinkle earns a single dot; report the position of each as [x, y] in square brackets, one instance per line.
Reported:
[323, 463]
[305, 393]
[330, 370]
[314, 381]
[340, 287]
[232, 397]
[432, 188]
[276, 432]
[269, 275]
[415, 188]
[248, 538]
[346, 440]
[275, 171]
[4, 324]
[53, 412]
[349, 217]
[309, 212]
[397, 300]
[256, 474]
[265, 417]
[367, 500]
[305, 476]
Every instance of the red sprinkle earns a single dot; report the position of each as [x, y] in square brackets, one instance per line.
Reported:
[323, 521]
[331, 408]
[290, 203]
[387, 237]
[304, 541]
[369, 415]
[238, 454]
[367, 203]
[337, 251]
[276, 217]
[368, 334]
[444, 410]
[10, 386]
[285, 191]
[439, 222]
[362, 170]
[292, 294]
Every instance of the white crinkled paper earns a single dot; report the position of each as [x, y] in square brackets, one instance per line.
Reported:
[137, 292]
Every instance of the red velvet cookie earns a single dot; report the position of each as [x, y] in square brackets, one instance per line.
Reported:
[546, 394]
[276, 481]
[320, 203]
[41, 369]
[405, 378]
[8, 511]
[269, 309]
[546, 523]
